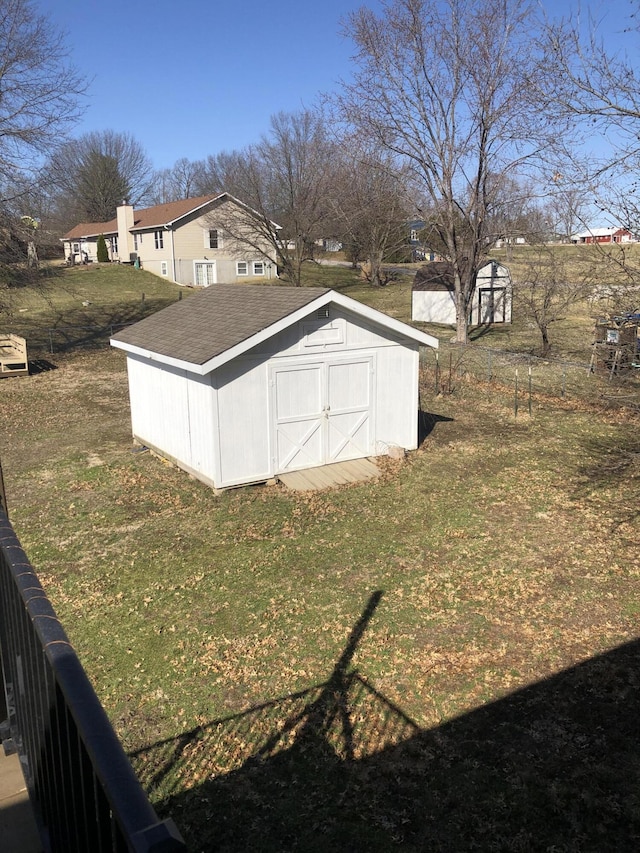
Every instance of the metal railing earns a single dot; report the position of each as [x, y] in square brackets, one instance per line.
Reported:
[82, 787]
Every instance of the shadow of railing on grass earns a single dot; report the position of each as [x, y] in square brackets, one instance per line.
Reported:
[555, 765]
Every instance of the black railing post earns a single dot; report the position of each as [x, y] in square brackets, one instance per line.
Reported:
[3, 494]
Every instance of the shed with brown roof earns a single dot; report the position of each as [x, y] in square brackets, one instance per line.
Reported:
[433, 294]
[240, 383]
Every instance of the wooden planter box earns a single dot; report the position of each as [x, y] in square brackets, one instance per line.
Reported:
[13, 356]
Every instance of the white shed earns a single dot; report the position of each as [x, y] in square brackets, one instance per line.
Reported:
[433, 296]
[238, 383]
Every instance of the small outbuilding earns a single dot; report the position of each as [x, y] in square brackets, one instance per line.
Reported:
[237, 384]
[433, 295]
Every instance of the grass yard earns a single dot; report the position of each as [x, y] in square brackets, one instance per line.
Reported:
[445, 659]
[84, 304]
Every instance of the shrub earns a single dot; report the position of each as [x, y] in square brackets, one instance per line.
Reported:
[101, 250]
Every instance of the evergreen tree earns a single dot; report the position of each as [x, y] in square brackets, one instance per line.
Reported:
[101, 249]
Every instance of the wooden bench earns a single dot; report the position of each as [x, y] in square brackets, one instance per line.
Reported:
[13, 356]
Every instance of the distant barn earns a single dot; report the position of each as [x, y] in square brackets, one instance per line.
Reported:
[238, 384]
[433, 295]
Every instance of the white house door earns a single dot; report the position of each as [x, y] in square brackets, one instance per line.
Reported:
[204, 273]
[322, 413]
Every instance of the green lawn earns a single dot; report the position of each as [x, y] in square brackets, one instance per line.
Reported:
[432, 661]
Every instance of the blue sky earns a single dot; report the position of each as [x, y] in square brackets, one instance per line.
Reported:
[188, 78]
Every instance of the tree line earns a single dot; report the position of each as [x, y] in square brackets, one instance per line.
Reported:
[474, 118]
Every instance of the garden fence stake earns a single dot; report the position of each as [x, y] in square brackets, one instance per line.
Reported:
[529, 390]
[515, 402]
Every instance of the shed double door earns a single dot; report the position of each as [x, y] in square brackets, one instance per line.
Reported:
[492, 304]
[322, 412]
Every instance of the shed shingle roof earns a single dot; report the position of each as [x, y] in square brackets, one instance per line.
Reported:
[437, 275]
[199, 328]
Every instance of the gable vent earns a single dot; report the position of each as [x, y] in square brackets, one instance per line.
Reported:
[323, 313]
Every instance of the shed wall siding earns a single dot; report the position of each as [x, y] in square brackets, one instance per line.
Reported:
[242, 393]
[172, 410]
[159, 406]
[433, 306]
[203, 457]
[396, 398]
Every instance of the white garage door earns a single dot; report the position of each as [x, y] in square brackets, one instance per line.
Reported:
[322, 412]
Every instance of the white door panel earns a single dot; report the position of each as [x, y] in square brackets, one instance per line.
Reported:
[322, 412]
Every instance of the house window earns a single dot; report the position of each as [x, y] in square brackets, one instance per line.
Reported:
[413, 236]
[164, 268]
[114, 245]
[135, 242]
[159, 238]
[258, 268]
[214, 239]
[242, 268]
[76, 248]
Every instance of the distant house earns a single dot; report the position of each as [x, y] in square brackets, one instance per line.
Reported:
[239, 384]
[614, 234]
[420, 251]
[510, 241]
[433, 295]
[184, 241]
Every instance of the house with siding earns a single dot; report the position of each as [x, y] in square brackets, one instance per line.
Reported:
[184, 241]
[238, 384]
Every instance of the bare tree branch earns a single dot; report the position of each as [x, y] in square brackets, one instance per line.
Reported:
[39, 89]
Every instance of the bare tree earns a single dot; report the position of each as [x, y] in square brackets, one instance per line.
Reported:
[598, 88]
[39, 89]
[225, 172]
[443, 85]
[284, 180]
[183, 180]
[40, 100]
[545, 290]
[567, 208]
[91, 175]
[369, 205]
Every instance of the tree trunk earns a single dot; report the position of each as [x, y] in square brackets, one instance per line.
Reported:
[546, 343]
[32, 255]
[462, 325]
[375, 267]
